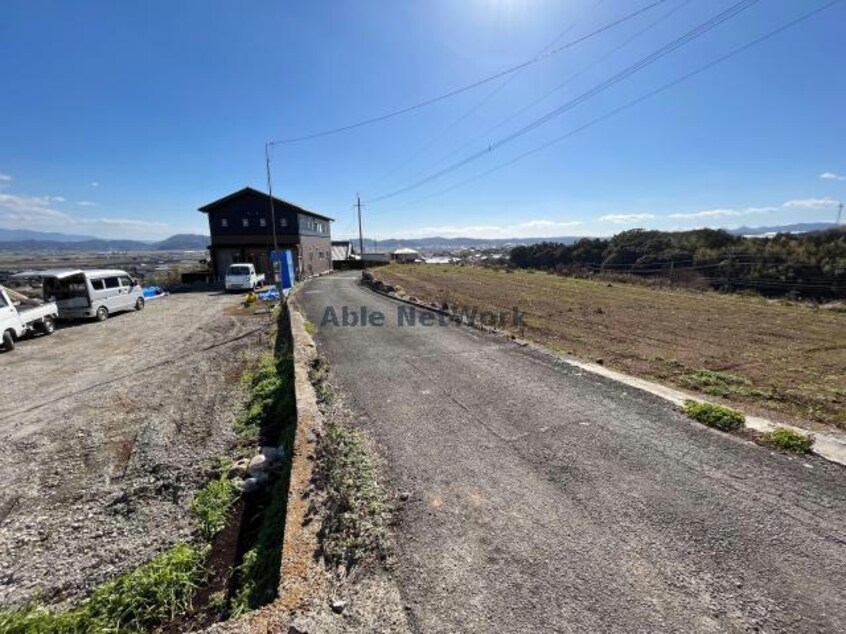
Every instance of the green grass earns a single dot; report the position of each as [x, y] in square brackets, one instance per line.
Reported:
[270, 401]
[310, 328]
[358, 513]
[719, 383]
[154, 593]
[790, 441]
[270, 412]
[213, 504]
[717, 416]
[260, 568]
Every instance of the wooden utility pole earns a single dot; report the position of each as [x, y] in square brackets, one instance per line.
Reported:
[360, 234]
[839, 213]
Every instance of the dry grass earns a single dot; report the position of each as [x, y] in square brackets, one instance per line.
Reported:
[783, 360]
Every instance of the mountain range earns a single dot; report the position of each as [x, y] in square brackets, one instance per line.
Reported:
[27, 240]
[438, 243]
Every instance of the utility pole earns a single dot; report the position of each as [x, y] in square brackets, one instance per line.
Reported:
[277, 278]
[839, 213]
[360, 234]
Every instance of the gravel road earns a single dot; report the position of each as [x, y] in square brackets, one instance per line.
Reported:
[547, 499]
[106, 430]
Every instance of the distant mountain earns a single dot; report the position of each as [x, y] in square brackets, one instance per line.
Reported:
[14, 235]
[801, 227]
[184, 242]
[81, 245]
[437, 242]
[22, 240]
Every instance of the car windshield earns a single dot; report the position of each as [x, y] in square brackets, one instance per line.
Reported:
[239, 270]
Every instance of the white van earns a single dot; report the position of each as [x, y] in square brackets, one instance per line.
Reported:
[98, 294]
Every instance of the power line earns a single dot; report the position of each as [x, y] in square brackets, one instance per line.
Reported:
[476, 84]
[563, 84]
[626, 106]
[487, 98]
[653, 57]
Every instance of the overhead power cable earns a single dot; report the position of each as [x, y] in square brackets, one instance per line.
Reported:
[628, 105]
[563, 84]
[476, 84]
[662, 52]
[476, 107]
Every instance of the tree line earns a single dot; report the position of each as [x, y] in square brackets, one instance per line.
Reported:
[809, 265]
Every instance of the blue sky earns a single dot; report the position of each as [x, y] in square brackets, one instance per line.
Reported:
[120, 119]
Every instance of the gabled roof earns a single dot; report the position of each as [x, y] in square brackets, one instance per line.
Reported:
[250, 190]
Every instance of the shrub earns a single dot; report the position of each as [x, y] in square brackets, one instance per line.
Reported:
[791, 441]
[717, 416]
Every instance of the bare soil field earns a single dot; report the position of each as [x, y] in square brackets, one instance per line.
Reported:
[106, 432]
[786, 361]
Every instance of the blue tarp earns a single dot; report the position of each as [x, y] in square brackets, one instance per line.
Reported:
[153, 292]
[270, 295]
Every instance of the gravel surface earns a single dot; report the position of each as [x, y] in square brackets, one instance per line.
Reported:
[106, 431]
[542, 498]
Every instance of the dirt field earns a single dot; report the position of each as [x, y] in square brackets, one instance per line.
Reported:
[785, 361]
[106, 431]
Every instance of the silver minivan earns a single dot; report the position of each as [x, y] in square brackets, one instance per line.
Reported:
[81, 294]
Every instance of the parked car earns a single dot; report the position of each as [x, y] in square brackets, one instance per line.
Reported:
[243, 277]
[19, 320]
[86, 294]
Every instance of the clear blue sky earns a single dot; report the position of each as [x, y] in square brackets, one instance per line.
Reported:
[120, 119]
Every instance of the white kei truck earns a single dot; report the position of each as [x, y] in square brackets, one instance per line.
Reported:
[243, 277]
[18, 319]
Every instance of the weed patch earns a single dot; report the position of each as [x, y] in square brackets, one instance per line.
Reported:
[317, 375]
[213, 504]
[270, 401]
[258, 574]
[719, 383]
[358, 514]
[310, 328]
[790, 441]
[717, 416]
[156, 592]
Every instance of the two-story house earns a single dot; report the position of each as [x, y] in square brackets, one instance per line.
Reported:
[241, 229]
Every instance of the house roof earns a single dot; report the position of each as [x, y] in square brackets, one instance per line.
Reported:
[405, 251]
[250, 190]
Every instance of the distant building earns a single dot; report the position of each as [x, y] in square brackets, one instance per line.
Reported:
[405, 255]
[342, 250]
[241, 230]
[373, 256]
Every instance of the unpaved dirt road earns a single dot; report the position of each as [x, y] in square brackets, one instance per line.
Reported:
[106, 430]
[546, 499]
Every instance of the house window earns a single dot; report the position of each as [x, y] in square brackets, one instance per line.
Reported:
[321, 255]
[262, 222]
[245, 222]
[224, 222]
[283, 222]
